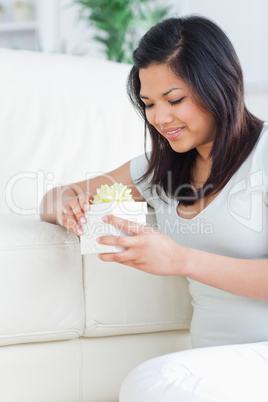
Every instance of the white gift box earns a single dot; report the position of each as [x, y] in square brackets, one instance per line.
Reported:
[96, 227]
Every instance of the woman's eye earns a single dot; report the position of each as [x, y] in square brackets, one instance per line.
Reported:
[176, 101]
[148, 106]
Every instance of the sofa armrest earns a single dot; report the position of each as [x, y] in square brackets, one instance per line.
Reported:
[41, 289]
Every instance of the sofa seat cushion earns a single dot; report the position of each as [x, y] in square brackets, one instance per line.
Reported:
[121, 300]
[41, 289]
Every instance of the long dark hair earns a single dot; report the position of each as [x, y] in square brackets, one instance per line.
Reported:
[200, 54]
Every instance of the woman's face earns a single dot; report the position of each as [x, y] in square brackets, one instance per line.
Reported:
[170, 108]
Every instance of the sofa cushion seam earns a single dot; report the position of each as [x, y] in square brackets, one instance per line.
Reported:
[36, 247]
[23, 334]
[140, 323]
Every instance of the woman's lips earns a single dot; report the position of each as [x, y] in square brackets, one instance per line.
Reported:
[173, 134]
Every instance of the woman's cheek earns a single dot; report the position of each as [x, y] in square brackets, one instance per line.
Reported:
[149, 116]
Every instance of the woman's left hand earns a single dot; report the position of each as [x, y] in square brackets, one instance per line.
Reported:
[148, 249]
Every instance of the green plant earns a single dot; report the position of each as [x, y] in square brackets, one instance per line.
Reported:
[120, 23]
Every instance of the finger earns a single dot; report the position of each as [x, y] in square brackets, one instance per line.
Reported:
[71, 224]
[124, 257]
[77, 211]
[84, 201]
[123, 241]
[69, 216]
[129, 226]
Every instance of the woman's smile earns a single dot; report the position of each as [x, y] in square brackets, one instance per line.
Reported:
[173, 133]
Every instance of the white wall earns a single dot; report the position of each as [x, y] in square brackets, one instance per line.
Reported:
[245, 23]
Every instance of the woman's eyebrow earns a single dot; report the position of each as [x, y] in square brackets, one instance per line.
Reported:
[170, 90]
[164, 94]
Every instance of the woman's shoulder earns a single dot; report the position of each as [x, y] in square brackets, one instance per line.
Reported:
[139, 166]
[259, 155]
[264, 131]
[262, 143]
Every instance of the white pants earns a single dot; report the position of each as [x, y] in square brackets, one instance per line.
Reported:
[230, 373]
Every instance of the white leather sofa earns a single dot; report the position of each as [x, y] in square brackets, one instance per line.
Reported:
[71, 328]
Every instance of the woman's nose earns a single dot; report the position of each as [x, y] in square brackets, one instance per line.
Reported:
[163, 116]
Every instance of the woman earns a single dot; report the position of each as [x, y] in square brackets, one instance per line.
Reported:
[206, 178]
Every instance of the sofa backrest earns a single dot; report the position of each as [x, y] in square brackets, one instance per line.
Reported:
[62, 119]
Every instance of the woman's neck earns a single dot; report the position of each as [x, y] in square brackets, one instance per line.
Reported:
[201, 171]
[204, 151]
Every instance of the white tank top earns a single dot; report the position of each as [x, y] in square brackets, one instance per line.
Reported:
[234, 224]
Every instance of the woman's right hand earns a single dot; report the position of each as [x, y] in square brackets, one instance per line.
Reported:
[71, 212]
